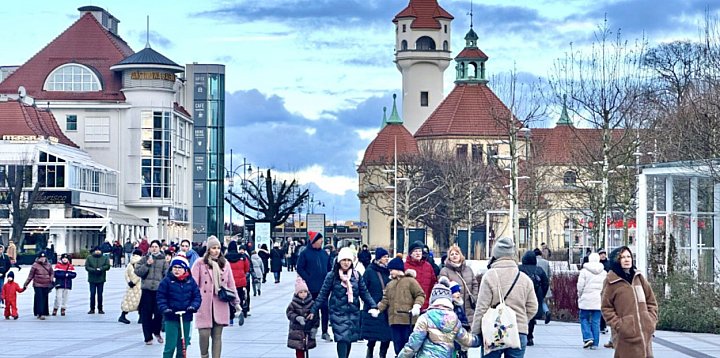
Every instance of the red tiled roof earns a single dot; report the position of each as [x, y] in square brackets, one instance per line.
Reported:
[566, 145]
[19, 119]
[180, 109]
[382, 149]
[425, 12]
[469, 52]
[85, 42]
[471, 109]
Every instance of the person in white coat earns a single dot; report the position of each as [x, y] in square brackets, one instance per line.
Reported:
[589, 286]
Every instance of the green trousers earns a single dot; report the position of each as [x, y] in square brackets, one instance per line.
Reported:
[173, 340]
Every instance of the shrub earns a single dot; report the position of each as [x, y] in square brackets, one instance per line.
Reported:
[688, 305]
[83, 254]
[564, 305]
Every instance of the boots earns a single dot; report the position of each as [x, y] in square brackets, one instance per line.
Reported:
[123, 319]
[369, 353]
[54, 312]
[62, 311]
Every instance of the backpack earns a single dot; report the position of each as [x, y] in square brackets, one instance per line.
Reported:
[499, 324]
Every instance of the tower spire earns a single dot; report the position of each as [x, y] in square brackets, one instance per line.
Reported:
[147, 33]
[384, 122]
[394, 116]
[564, 117]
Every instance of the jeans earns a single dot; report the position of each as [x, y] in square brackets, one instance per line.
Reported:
[277, 276]
[509, 352]
[400, 334]
[173, 339]
[590, 326]
[256, 286]
[128, 255]
[96, 289]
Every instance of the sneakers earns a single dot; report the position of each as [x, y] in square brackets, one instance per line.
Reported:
[62, 311]
[42, 318]
[91, 311]
[326, 337]
[593, 347]
[589, 343]
[159, 339]
[54, 312]
[100, 311]
[609, 344]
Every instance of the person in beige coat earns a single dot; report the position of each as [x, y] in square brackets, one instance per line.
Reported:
[131, 300]
[521, 298]
[457, 271]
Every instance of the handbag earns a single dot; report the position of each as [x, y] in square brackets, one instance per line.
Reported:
[226, 295]
[499, 324]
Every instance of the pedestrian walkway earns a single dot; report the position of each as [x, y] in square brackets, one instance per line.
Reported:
[264, 334]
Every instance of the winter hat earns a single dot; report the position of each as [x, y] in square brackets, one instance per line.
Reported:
[439, 292]
[232, 246]
[537, 252]
[213, 241]
[42, 254]
[180, 261]
[504, 247]
[415, 245]
[11, 275]
[380, 252]
[137, 252]
[300, 285]
[64, 256]
[454, 287]
[346, 253]
[396, 264]
[314, 236]
[602, 251]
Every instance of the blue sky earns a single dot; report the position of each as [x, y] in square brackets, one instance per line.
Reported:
[307, 79]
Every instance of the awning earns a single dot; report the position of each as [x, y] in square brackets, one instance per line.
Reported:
[117, 217]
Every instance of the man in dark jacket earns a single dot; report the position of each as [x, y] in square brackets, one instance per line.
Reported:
[312, 266]
[97, 265]
[540, 284]
[364, 256]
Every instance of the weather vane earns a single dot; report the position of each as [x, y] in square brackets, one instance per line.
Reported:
[471, 14]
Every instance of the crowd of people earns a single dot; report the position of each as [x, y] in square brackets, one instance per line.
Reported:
[421, 308]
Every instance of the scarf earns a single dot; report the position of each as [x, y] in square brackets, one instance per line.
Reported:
[345, 282]
[454, 266]
[183, 276]
[215, 274]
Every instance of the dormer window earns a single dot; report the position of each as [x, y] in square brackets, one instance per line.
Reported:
[72, 77]
[569, 178]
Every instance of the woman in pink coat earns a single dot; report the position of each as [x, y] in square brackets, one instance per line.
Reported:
[212, 272]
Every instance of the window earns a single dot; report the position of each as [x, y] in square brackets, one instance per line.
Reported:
[569, 178]
[181, 143]
[445, 28]
[72, 77]
[461, 151]
[71, 122]
[446, 47]
[50, 175]
[403, 45]
[492, 151]
[477, 153]
[423, 99]
[404, 28]
[156, 153]
[425, 43]
[97, 129]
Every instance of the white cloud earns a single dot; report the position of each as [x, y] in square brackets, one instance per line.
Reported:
[367, 134]
[310, 131]
[336, 185]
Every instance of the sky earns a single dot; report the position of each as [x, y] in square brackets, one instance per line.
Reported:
[307, 80]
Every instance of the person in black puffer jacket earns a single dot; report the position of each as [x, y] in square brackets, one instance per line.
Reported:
[376, 277]
[540, 283]
[177, 292]
[276, 261]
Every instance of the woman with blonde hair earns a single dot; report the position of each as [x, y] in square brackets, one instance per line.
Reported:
[212, 273]
[458, 271]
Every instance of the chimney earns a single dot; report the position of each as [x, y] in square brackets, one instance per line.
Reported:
[103, 17]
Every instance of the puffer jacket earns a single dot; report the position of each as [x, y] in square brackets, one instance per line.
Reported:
[97, 267]
[632, 311]
[499, 278]
[590, 284]
[376, 278]
[178, 294]
[401, 294]
[296, 332]
[465, 277]
[152, 274]
[64, 274]
[344, 315]
[41, 274]
[131, 300]
[240, 266]
[425, 276]
[538, 277]
[257, 266]
[435, 333]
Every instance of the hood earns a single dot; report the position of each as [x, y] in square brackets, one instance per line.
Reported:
[135, 259]
[442, 318]
[594, 267]
[233, 257]
[255, 256]
[232, 247]
[529, 258]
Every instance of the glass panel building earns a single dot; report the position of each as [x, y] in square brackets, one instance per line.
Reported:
[207, 98]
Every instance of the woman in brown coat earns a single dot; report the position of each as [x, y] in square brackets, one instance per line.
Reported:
[629, 307]
[457, 271]
[41, 275]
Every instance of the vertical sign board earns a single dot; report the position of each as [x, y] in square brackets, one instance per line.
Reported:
[316, 222]
[262, 234]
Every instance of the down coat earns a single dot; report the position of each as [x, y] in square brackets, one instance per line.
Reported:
[41, 274]
[425, 276]
[152, 274]
[401, 294]
[344, 315]
[296, 332]
[64, 274]
[435, 334]
[178, 295]
[590, 284]
[376, 278]
[131, 300]
[257, 266]
[239, 264]
[465, 277]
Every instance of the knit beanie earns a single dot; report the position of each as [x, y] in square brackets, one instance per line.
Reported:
[504, 247]
[300, 285]
[441, 291]
[455, 287]
[213, 241]
[11, 275]
[346, 253]
[396, 264]
[314, 236]
[380, 252]
[180, 261]
[415, 245]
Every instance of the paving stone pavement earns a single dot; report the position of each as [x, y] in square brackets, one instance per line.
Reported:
[264, 334]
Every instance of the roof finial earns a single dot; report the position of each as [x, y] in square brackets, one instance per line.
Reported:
[564, 117]
[384, 122]
[147, 33]
[471, 14]
[394, 116]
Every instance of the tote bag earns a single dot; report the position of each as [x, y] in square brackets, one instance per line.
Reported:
[499, 325]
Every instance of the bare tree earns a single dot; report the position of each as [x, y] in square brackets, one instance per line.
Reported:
[22, 195]
[273, 201]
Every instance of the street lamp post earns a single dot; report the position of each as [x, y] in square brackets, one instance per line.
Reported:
[230, 176]
[394, 188]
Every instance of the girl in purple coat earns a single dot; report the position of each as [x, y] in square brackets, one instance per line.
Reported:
[212, 272]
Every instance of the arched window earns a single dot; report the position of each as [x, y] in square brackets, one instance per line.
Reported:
[570, 178]
[446, 47]
[472, 70]
[403, 45]
[72, 77]
[425, 43]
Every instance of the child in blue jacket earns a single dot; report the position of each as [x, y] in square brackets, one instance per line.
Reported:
[177, 292]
